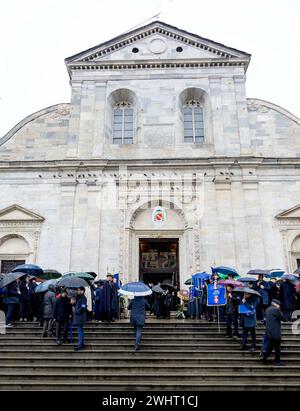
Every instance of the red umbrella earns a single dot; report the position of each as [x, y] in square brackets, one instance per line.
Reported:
[231, 282]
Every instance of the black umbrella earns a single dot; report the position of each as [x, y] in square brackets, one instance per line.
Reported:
[167, 285]
[247, 290]
[72, 282]
[10, 278]
[189, 282]
[29, 269]
[257, 271]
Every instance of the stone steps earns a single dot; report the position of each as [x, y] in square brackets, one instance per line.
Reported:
[175, 355]
[150, 386]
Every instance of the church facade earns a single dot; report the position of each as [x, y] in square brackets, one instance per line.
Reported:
[159, 166]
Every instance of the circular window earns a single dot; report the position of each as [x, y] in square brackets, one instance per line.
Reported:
[179, 49]
[135, 50]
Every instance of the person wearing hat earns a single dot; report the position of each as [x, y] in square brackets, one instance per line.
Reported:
[79, 316]
[274, 317]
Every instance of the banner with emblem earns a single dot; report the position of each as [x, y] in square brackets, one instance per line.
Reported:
[216, 295]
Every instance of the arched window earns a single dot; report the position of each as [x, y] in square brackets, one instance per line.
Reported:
[193, 122]
[123, 123]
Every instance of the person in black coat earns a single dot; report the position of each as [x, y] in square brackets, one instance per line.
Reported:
[23, 286]
[232, 314]
[32, 300]
[287, 296]
[62, 313]
[167, 305]
[79, 316]
[273, 289]
[138, 317]
[274, 317]
[12, 299]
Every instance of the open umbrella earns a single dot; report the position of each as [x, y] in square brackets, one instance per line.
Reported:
[257, 271]
[72, 282]
[84, 276]
[158, 289]
[137, 289]
[167, 285]
[277, 273]
[94, 275]
[29, 269]
[225, 271]
[50, 275]
[10, 278]
[247, 290]
[297, 271]
[202, 276]
[247, 279]
[290, 277]
[43, 287]
[231, 282]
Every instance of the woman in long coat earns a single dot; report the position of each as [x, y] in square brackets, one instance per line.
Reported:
[138, 317]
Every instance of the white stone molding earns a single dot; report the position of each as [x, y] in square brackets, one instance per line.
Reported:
[19, 222]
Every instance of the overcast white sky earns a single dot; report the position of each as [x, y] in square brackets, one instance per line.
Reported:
[36, 36]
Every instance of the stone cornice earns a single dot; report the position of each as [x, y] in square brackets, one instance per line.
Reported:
[102, 164]
[158, 65]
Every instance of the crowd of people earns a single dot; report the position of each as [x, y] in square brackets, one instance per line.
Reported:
[58, 309]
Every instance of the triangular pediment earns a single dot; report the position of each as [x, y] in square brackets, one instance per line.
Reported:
[157, 41]
[291, 213]
[18, 213]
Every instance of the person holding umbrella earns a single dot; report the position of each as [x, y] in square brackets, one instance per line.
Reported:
[274, 317]
[262, 287]
[138, 291]
[79, 316]
[248, 317]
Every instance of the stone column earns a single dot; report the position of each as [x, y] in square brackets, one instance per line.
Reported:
[225, 223]
[217, 115]
[73, 136]
[254, 223]
[242, 115]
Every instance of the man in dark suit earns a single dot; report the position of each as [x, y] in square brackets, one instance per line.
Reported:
[79, 316]
[138, 317]
[274, 317]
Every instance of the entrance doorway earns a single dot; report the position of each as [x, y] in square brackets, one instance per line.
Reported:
[159, 260]
[8, 265]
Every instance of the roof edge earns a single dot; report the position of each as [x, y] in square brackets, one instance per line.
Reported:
[147, 26]
[27, 120]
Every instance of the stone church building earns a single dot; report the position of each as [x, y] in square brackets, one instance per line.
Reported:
[159, 167]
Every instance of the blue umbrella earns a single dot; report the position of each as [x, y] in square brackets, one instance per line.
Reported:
[274, 273]
[138, 289]
[43, 287]
[224, 270]
[201, 276]
[29, 269]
